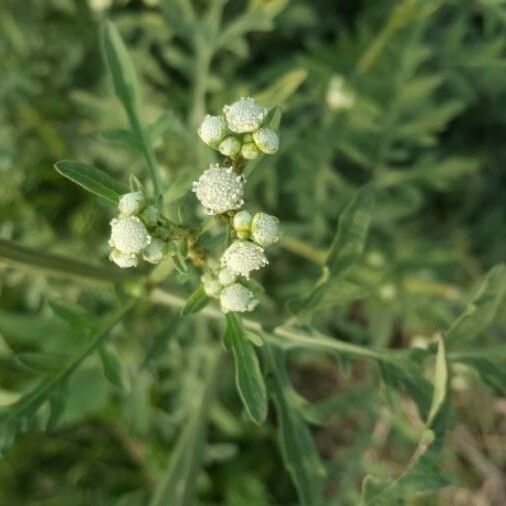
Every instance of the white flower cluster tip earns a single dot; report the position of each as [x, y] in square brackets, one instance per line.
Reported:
[239, 132]
[131, 235]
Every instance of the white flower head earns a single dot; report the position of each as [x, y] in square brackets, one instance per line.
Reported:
[237, 298]
[265, 229]
[226, 276]
[129, 235]
[211, 285]
[123, 260]
[266, 140]
[155, 251]
[212, 130]
[242, 224]
[230, 146]
[131, 203]
[242, 257]
[245, 115]
[219, 189]
[249, 151]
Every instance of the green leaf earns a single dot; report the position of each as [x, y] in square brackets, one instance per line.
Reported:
[92, 179]
[282, 89]
[180, 483]
[197, 301]
[42, 362]
[120, 66]
[58, 265]
[22, 414]
[156, 129]
[297, 447]
[349, 241]
[113, 369]
[482, 309]
[422, 474]
[120, 136]
[248, 376]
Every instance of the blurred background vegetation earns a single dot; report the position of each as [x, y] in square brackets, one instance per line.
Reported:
[410, 95]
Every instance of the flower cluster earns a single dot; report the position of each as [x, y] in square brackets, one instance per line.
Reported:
[241, 131]
[134, 232]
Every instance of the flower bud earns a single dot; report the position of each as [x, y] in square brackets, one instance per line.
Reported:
[131, 203]
[242, 257]
[211, 285]
[230, 146]
[265, 229]
[244, 116]
[242, 224]
[219, 190]
[249, 151]
[155, 251]
[123, 260]
[212, 130]
[339, 96]
[226, 276]
[237, 298]
[129, 235]
[266, 140]
[150, 216]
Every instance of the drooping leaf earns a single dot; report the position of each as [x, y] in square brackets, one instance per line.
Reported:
[248, 376]
[197, 301]
[92, 179]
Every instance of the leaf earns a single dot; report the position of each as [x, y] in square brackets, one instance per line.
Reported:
[179, 485]
[422, 474]
[156, 129]
[197, 301]
[22, 414]
[41, 362]
[92, 179]
[345, 250]
[282, 89]
[120, 136]
[482, 309]
[61, 266]
[113, 369]
[248, 376]
[72, 314]
[349, 241]
[120, 66]
[297, 447]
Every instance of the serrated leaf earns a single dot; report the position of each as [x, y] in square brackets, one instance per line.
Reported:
[120, 66]
[481, 311]
[248, 376]
[297, 447]
[197, 301]
[91, 179]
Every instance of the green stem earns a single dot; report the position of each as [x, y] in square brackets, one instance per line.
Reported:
[11, 253]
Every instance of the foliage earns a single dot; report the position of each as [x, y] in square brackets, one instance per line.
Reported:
[381, 327]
